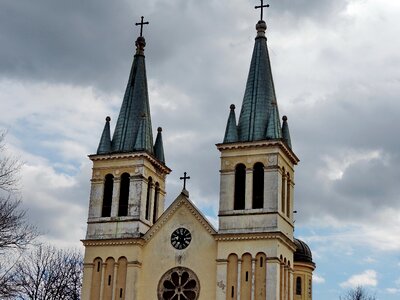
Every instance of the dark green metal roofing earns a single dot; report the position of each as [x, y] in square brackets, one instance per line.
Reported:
[143, 142]
[231, 133]
[128, 136]
[259, 108]
[286, 133]
[158, 146]
[105, 141]
[274, 130]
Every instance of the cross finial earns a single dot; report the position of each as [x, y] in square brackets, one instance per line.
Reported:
[141, 25]
[184, 178]
[262, 6]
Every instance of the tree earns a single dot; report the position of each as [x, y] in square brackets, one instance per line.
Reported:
[358, 293]
[49, 273]
[16, 233]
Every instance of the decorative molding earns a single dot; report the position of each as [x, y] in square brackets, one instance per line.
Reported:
[115, 242]
[256, 236]
[171, 210]
[161, 167]
[261, 144]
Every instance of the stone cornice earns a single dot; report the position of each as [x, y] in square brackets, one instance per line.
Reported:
[256, 236]
[114, 242]
[259, 144]
[307, 265]
[163, 168]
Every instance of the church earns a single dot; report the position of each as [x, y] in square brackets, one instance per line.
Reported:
[138, 249]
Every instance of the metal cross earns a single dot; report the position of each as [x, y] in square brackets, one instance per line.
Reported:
[184, 178]
[262, 8]
[141, 26]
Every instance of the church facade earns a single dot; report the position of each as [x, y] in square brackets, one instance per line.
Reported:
[136, 249]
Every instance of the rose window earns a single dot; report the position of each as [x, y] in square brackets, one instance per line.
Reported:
[179, 284]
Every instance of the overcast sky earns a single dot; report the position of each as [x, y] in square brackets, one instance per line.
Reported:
[336, 65]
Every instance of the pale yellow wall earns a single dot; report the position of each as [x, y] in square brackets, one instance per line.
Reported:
[159, 256]
[305, 272]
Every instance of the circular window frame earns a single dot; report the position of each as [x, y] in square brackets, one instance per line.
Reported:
[167, 277]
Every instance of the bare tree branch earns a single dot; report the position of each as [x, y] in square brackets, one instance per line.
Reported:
[15, 231]
[49, 273]
[358, 293]
[9, 168]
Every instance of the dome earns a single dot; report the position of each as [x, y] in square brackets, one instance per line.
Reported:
[303, 252]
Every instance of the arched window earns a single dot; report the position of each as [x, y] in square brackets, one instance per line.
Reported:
[260, 276]
[288, 208]
[121, 278]
[124, 195]
[155, 204]
[258, 185]
[298, 286]
[96, 278]
[148, 198]
[283, 194]
[232, 276]
[108, 279]
[240, 187]
[107, 195]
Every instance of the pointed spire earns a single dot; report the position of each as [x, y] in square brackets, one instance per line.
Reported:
[105, 140]
[231, 133]
[143, 142]
[158, 146]
[135, 103]
[286, 133]
[259, 101]
[274, 125]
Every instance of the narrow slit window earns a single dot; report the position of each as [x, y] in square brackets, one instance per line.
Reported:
[148, 198]
[124, 195]
[261, 262]
[288, 206]
[109, 279]
[155, 204]
[240, 187]
[107, 195]
[298, 286]
[98, 266]
[247, 276]
[232, 291]
[120, 293]
[258, 185]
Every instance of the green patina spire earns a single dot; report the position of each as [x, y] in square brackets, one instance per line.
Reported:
[105, 141]
[286, 133]
[144, 140]
[259, 101]
[158, 146]
[231, 133]
[135, 104]
[274, 130]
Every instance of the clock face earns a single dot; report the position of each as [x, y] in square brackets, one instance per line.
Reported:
[181, 238]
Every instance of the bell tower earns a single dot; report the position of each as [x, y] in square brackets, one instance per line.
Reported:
[257, 160]
[129, 171]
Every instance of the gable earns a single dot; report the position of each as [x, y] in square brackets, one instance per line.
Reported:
[159, 256]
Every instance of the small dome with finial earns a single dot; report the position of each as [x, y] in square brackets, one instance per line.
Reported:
[284, 118]
[159, 129]
[303, 252]
[108, 119]
[232, 106]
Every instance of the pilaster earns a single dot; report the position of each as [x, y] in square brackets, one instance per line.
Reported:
[249, 189]
[273, 278]
[87, 280]
[115, 197]
[132, 279]
[222, 269]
